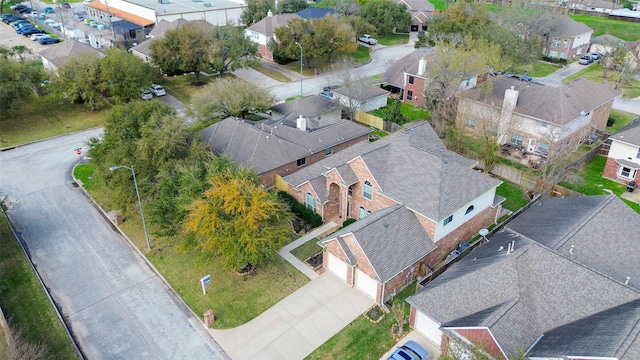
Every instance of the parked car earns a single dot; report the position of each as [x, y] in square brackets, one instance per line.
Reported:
[595, 56]
[146, 95]
[9, 18]
[49, 10]
[158, 90]
[16, 24]
[36, 37]
[16, 6]
[585, 60]
[48, 40]
[24, 29]
[66, 5]
[330, 87]
[33, 32]
[25, 10]
[367, 39]
[327, 95]
[411, 350]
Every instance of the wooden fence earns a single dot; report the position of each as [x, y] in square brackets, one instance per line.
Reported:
[369, 120]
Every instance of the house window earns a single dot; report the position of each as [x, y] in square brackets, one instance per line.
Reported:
[368, 190]
[517, 139]
[350, 191]
[254, 35]
[555, 42]
[553, 53]
[301, 162]
[541, 124]
[543, 147]
[448, 220]
[638, 154]
[328, 151]
[469, 209]
[309, 203]
[470, 123]
[563, 55]
[362, 213]
[627, 173]
[409, 94]
[492, 130]
[411, 78]
[564, 43]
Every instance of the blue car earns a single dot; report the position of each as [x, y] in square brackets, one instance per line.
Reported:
[411, 350]
[24, 29]
[47, 41]
[48, 10]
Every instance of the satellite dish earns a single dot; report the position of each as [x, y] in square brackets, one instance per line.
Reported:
[483, 232]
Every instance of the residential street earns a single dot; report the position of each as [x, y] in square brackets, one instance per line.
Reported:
[115, 304]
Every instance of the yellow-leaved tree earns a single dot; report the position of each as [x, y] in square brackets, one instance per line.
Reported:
[238, 220]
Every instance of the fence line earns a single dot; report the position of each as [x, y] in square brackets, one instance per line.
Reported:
[369, 120]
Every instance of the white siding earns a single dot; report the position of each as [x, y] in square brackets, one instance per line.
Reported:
[623, 151]
[366, 284]
[337, 266]
[582, 39]
[459, 217]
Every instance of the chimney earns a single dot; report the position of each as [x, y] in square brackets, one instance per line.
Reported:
[269, 13]
[510, 99]
[301, 123]
[422, 66]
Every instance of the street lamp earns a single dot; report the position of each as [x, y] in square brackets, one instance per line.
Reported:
[297, 43]
[135, 182]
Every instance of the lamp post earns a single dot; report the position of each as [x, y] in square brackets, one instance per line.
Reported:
[300, 46]
[135, 182]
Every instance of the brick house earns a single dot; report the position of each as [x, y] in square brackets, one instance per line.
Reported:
[420, 10]
[414, 200]
[563, 37]
[545, 286]
[406, 76]
[533, 116]
[623, 160]
[288, 142]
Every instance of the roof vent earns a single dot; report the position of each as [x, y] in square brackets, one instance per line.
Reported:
[387, 225]
[626, 282]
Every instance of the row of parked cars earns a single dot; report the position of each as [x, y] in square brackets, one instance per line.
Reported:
[589, 58]
[24, 27]
[155, 90]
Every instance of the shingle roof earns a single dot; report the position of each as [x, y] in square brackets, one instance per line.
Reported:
[268, 146]
[158, 33]
[392, 239]
[267, 25]
[564, 26]
[316, 13]
[67, 51]
[557, 105]
[408, 64]
[309, 106]
[629, 134]
[607, 39]
[544, 287]
[412, 167]
[416, 5]
[362, 91]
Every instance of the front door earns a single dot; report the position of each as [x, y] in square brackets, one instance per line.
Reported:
[532, 145]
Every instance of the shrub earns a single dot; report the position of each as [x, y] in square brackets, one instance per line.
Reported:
[554, 60]
[610, 122]
[348, 222]
[300, 210]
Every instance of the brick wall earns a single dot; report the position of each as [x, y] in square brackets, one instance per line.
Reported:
[600, 116]
[610, 169]
[264, 51]
[416, 88]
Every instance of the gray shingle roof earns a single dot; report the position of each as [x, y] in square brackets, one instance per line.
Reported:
[408, 64]
[416, 5]
[362, 91]
[419, 173]
[392, 239]
[266, 147]
[309, 106]
[557, 105]
[67, 51]
[564, 26]
[268, 25]
[544, 287]
[629, 134]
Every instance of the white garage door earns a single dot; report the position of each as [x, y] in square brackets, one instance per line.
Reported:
[428, 328]
[337, 267]
[366, 284]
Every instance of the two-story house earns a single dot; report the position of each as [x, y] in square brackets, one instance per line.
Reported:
[406, 76]
[623, 160]
[563, 37]
[415, 201]
[533, 116]
[420, 10]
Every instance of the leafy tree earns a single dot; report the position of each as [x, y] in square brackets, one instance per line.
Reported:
[257, 10]
[395, 114]
[359, 26]
[6, 53]
[238, 220]
[300, 31]
[123, 75]
[331, 35]
[230, 96]
[17, 81]
[345, 7]
[232, 50]
[291, 6]
[21, 51]
[386, 16]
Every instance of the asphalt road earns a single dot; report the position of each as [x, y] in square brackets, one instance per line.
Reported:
[114, 303]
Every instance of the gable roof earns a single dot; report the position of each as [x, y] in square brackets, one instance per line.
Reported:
[266, 146]
[316, 13]
[395, 74]
[362, 91]
[607, 39]
[546, 286]
[268, 25]
[158, 32]
[311, 106]
[562, 26]
[67, 51]
[556, 105]
[412, 167]
[392, 239]
[418, 5]
[629, 134]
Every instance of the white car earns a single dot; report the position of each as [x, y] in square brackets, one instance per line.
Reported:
[36, 37]
[158, 90]
[146, 95]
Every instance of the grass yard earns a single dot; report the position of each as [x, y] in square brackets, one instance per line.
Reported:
[270, 73]
[24, 302]
[624, 30]
[621, 118]
[591, 182]
[179, 86]
[360, 56]
[594, 73]
[307, 250]
[393, 39]
[412, 112]
[362, 339]
[515, 197]
[46, 116]
[537, 69]
[440, 5]
[269, 285]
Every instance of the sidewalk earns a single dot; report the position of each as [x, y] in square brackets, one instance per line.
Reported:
[286, 254]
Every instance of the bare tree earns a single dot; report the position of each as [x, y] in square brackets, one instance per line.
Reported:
[397, 310]
[344, 75]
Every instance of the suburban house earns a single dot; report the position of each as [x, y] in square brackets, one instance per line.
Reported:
[53, 57]
[559, 282]
[406, 76]
[282, 146]
[535, 117]
[420, 10]
[362, 96]
[606, 43]
[415, 201]
[263, 31]
[623, 160]
[600, 6]
[563, 37]
[141, 50]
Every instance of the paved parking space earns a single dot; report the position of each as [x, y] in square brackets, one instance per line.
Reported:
[9, 39]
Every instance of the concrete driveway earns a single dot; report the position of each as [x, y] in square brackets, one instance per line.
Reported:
[115, 304]
[297, 325]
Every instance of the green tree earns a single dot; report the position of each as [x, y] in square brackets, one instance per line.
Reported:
[395, 115]
[124, 75]
[232, 50]
[17, 80]
[257, 10]
[291, 6]
[230, 96]
[359, 26]
[332, 35]
[386, 16]
[21, 51]
[79, 80]
[238, 220]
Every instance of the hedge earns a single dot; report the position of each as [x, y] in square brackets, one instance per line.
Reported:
[300, 210]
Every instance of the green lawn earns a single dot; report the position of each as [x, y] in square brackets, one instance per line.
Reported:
[621, 119]
[412, 112]
[591, 182]
[180, 86]
[258, 292]
[624, 30]
[594, 73]
[270, 73]
[307, 250]
[360, 56]
[440, 5]
[515, 197]
[24, 302]
[393, 39]
[362, 339]
[537, 69]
